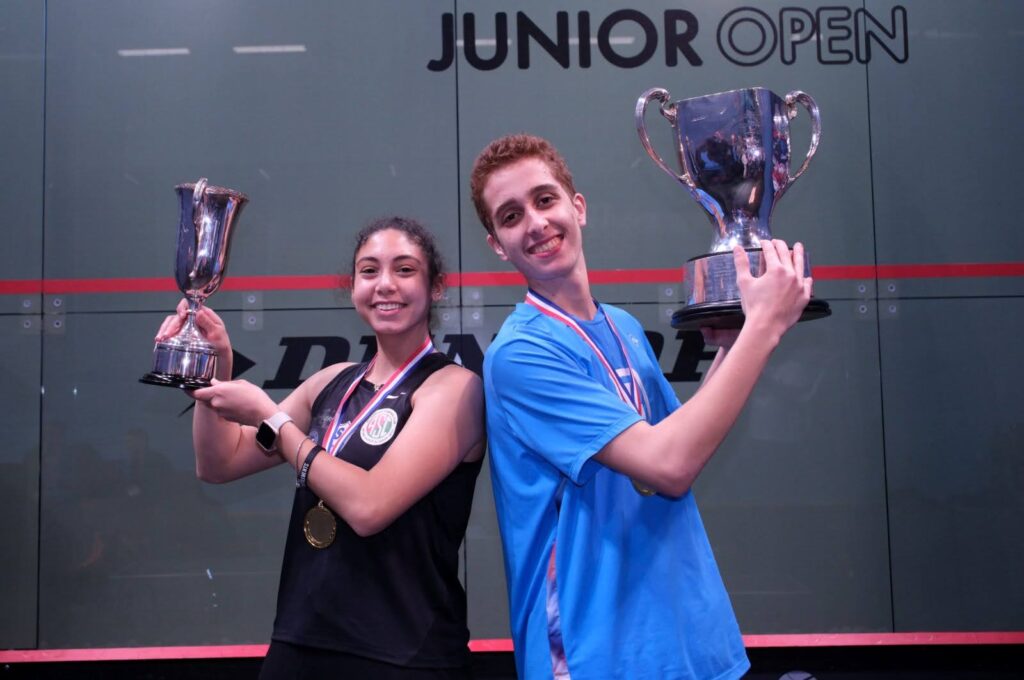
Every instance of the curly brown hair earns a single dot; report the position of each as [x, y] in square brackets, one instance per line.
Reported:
[505, 151]
[415, 232]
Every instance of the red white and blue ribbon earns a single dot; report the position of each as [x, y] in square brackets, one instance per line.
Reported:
[634, 394]
[339, 433]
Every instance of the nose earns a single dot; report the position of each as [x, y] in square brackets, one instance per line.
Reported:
[535, 221]
[385, 282]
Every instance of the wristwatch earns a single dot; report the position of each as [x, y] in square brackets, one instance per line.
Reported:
[266, 434]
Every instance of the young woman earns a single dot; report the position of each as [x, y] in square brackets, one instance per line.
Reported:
[386, 457]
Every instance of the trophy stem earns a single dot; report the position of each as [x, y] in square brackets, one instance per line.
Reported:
[190, 331]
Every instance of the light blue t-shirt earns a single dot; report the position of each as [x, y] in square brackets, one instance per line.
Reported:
[635, 592]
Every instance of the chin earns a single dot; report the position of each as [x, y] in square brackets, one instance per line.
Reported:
[394, 326]
[548, 271]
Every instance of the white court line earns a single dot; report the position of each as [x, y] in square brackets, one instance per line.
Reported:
[156, 52]
[268, 49]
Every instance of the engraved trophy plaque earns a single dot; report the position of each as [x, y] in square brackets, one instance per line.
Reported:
[208, 215]
[734, 154]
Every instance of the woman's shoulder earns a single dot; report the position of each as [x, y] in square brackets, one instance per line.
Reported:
[451, 378]
[454, 395]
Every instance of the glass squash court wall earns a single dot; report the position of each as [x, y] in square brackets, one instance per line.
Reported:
[872, 483]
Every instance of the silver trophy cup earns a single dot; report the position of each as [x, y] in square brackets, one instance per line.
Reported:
[208, 215]
[733, 149]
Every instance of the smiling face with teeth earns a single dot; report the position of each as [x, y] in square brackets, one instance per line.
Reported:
[537, 225]
[391, 287]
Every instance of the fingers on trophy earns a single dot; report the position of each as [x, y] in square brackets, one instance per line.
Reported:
[733, 149]
[208, 215]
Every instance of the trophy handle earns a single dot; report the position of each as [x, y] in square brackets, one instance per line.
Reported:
[792, 99]
[197, 195]
[204, 237]
[668, 110]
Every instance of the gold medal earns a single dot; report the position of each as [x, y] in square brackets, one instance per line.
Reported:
[641, 489]
[320, 526]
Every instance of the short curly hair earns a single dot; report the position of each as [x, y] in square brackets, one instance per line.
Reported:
[505, 151]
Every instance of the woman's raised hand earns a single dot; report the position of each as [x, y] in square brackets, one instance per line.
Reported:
[212, 328]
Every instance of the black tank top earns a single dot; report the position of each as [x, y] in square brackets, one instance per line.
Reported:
[394, 596]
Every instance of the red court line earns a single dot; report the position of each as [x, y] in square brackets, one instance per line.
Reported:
[495, 645]
[599, 276]
[950, 271]
[485, 279]
[132, 653]
[885, 639]
[21, 287]
[311, 282]
[843, 272]
[636, 276]
[505, 645]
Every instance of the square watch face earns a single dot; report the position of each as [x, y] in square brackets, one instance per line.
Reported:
[265, 437]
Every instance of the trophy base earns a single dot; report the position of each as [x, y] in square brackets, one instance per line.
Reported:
[179, 381]
[710, 279]
[730, 315]
[185, 361]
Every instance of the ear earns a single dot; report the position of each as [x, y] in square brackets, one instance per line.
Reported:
[496, 247]
[580, 205]
[437, 290]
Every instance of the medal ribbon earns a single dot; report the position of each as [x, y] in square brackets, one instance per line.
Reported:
[340, 434]
[634, 395]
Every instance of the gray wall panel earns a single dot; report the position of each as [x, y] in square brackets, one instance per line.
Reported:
[955, 471]
[21, 162]
[21, 219]
[945, 145]
[795, 499]
[19, 480]
[136, 550]
[485, 570]
[319, 142]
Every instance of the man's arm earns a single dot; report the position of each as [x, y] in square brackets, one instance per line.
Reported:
[541, 392]
[668, 456]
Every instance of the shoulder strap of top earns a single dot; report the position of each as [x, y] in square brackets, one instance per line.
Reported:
[340, 381]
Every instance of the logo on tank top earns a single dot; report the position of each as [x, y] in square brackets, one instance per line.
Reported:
[379, 427]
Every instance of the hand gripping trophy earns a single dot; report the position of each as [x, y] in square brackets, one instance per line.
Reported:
[733, 148]
[208, 214]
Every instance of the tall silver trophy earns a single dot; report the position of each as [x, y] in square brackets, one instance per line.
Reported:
[208, 215]
[733, 151]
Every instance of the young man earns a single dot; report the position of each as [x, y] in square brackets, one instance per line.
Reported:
[609, 570]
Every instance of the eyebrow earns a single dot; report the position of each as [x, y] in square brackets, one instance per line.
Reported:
[371, 258]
